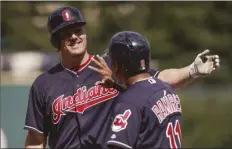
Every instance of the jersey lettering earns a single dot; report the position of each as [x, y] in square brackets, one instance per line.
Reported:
[81, 100]
[166, 105]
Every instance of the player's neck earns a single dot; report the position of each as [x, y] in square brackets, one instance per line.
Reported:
[75, 62]
[140, 77]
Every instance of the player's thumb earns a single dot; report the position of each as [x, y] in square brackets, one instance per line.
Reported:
[204, 53]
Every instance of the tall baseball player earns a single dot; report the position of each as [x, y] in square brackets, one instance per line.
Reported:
[65, 107]
[148, 114]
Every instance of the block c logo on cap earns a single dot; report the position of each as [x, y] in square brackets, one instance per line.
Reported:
[66, 14]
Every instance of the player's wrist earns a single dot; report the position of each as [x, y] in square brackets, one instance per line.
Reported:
[193, 71]
[118, 87]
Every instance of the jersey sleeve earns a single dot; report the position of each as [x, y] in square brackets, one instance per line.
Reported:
[153, 72]
[125, 126]
[35, 111]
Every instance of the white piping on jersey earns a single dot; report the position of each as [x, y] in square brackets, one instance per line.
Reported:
[68, 69]
[141, 80]
[34, 129]
[120, 143]
[156, 74]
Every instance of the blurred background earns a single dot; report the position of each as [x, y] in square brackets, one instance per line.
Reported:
[177, 32]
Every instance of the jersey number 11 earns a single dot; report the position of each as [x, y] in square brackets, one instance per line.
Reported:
[171, 132]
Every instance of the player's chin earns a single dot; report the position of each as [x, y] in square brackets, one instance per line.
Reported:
[77, 52]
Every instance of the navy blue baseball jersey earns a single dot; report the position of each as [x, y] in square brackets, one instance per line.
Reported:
[67, 108]
[147, 115]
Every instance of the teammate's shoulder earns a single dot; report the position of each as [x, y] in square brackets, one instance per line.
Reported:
[150, 85]
[159, 84]
[132, 96]
[153, 72]
[106, 57]
[124, 97]
[45, 76]
[140, 93]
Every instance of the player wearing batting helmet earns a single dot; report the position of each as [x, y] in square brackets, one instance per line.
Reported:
[148, 112]
[65, 107]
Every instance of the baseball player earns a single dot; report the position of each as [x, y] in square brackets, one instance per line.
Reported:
[148, 114]
[65, 107]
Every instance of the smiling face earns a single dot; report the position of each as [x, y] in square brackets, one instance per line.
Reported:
[73, 40]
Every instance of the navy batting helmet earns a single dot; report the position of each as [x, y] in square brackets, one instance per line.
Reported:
[131, 51]
[59, 19]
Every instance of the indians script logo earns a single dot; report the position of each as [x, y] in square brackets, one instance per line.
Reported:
[81, 100]
[66, 15]
[120, 121]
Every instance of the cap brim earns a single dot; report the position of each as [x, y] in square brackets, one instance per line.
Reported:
[62, 25]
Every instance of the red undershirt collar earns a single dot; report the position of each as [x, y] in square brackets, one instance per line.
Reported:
[81, 67]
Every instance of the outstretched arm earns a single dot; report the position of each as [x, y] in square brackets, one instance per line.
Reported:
[176, 77]
[203, 65]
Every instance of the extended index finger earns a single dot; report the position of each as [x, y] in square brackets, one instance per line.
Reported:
[95, 69]
[96, 62]
[102, 61]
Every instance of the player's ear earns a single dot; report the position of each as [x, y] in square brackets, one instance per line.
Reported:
[113, 65]
[62, 45]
